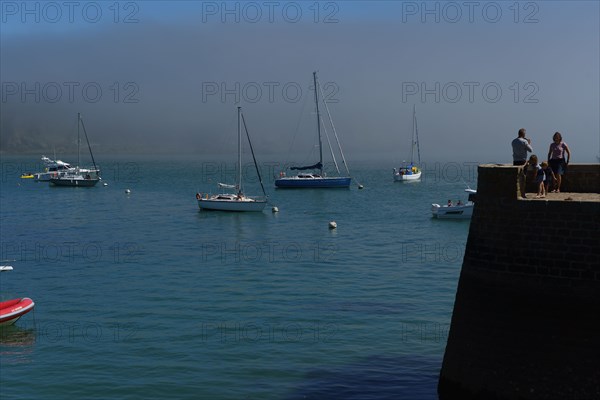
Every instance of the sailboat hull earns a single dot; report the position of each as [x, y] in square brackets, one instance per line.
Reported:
[313, 182]
[74, 182]
[398, 177]
[247, 204]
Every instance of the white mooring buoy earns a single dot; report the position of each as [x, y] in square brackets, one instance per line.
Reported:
[127, 191]
[332, 225]
[275, 209]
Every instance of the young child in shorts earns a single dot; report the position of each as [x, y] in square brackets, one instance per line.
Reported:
[537, 173]
[549, 175]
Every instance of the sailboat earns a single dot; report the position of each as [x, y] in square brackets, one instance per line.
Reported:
[317, 180]
[238, 201]
[411, 172]
[78, 176]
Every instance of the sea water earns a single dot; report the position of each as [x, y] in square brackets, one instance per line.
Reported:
[142, 295]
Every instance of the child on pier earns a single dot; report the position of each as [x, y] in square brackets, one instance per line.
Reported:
[549, 175]
[539, 175]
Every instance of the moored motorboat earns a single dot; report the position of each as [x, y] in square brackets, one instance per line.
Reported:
[455, 211]
[52, 169]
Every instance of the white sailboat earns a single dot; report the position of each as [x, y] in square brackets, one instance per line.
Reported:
[235, 201]
[317, 180]
[412, 171]
[77, 176]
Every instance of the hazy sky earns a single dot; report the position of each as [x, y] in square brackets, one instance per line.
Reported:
[165, 77]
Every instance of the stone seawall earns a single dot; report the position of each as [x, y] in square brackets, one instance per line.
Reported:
[526, 320]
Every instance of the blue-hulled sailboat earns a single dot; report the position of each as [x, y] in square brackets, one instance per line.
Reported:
[317, 180]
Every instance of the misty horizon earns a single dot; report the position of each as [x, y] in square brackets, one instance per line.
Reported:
[166, 79]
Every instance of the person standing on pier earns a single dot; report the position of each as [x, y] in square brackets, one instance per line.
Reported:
[550, 177]
[556, 155]
[521, 146]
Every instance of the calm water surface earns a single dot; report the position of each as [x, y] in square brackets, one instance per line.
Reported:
[145, 296]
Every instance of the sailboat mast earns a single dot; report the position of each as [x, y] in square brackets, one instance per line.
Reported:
[318, 122]
[417, 138]
[337, 139]
[412, 140]
[239, 180]
[254, 156]
[87, 140]
[78, 140]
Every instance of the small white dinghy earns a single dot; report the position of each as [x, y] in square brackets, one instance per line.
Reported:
[455, 211]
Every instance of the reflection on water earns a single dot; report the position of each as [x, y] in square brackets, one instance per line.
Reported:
[377, 377]
[16, 344]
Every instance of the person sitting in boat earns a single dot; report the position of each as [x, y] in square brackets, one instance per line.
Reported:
[459, 203]
[239, 195]
[450, 203]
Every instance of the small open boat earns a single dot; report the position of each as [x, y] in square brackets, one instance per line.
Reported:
[12, 310]
[455, 211]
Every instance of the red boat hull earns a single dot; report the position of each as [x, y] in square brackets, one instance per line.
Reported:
[12, 310]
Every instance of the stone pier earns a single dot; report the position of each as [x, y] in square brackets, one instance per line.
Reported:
[526, 320]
